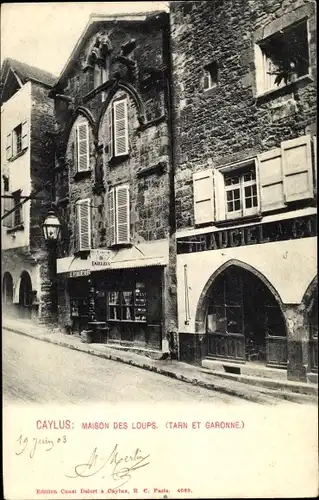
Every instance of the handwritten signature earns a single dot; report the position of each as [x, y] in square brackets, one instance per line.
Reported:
[32, 445]
[122, 466]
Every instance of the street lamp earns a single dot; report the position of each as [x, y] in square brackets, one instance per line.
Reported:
[51, 227]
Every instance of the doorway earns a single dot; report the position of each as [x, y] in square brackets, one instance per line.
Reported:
[244, 321]
[25, 296]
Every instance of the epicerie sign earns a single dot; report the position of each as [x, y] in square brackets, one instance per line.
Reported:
[100, 258]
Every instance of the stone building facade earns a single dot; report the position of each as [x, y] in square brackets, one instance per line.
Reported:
[114, 184]
[27, 161]
[244, 92]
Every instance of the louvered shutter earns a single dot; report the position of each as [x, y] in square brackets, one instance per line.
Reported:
[219, 192]
[120, 128]
[7, 206]
[122, 214]
[25, 135]
[109, 132]
[84, 224]
[83, 158]
[111, 216]
[297, 168]
[9, 147]
[203, 197]
[271, 180]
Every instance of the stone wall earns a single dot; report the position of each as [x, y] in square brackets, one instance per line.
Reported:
[230, 123]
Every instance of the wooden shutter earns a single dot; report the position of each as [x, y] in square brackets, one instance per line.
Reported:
[7, 206]
[271, 180]
[297, 168]
[203, 197]
[120, 128]
[84, 224]
[25, 135]
[83, 156]
[9, 147]
[111, 216]
[219, 192]
[122, 214]
[109, 132]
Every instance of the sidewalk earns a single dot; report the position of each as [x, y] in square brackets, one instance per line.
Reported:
[279, 391]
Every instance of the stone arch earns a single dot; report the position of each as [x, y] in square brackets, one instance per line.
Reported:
[7, 288]
[310, 294]
[86, 113]
[132, 93]
[202, 305]
[25, 294]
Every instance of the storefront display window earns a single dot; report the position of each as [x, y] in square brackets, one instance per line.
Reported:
[127, 305]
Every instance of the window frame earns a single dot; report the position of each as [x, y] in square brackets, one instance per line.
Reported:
[121, 306]
[78, 203]
[113, 192]
[208, 74]
[222, 213]
[260, 58]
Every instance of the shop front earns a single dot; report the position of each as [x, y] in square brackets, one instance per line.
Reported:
[118, 294]
[241, 296]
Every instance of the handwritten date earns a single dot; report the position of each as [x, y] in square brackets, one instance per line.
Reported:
[31, 445]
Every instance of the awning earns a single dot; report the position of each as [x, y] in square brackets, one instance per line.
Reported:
[142, 255]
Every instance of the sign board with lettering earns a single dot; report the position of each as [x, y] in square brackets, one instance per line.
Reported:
[100, 258]
[79, 274]
[301, 227]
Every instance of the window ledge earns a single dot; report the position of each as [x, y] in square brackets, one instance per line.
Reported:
[120, 245]
[238, 220]
[18, 154]
[300, 82]
[82, 175]
[210, 90]
[19, 227]
[83, 254]
[63, 201]
[116, 160]
[160, 168]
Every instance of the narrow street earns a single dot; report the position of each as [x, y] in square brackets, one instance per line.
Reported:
[38, 372]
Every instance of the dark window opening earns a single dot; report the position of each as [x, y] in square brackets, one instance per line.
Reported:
[285, 56]
[17, 139]
[210, 75]
[17, 215]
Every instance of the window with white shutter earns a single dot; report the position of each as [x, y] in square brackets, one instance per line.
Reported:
[82, 143]
[111, 216]
[203, 197]
[83, 224]
[119, 215]
[122, 214]
[9, 147]
[297, 169]
[120, 128]
[271, 180]
[109, 132]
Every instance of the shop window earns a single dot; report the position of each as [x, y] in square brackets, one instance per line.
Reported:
[17, 140]
[282, 58]
[210, 76]
[128, 305]
[119, 215]
[116, 129]
[83, 225]
[82, 147]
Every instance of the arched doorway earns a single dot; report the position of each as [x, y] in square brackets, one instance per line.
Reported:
[25, 295]
[244, 321]
[7, 291]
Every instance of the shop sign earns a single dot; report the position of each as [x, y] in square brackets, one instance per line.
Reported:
[79, 274]
[100, 259]
[289, 229]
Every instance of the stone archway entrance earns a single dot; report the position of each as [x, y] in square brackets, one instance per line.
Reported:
[25, 295]
[244, 322]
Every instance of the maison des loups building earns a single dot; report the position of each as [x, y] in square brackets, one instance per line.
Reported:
[114, 185]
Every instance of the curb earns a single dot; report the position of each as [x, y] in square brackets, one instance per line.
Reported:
[258, 395]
